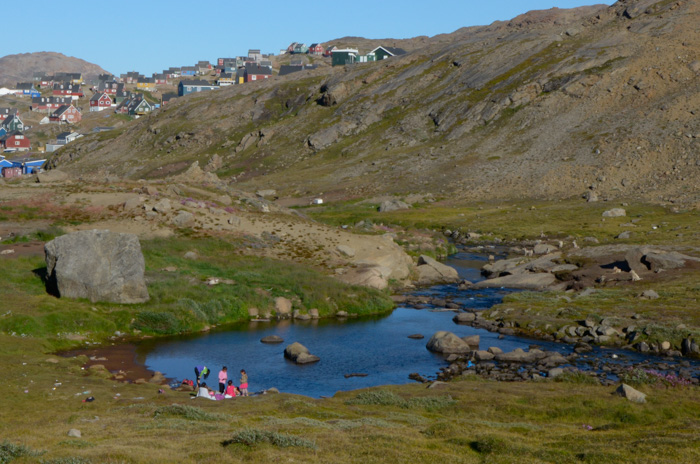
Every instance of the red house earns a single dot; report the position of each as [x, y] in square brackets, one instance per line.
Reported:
[15, 140]
[67, 89]
[100, 101]
[67, 113]
[49, 104]
[316, 49]
[255, 72]
[329, 51]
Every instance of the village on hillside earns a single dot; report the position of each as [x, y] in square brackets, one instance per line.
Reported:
[52, 110]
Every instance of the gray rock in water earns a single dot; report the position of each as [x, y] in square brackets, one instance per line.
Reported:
[98, 265]
[416, 336]
[272, 339]
[464, 318]
[447, 343]
[631, 394]
[74, 433]
[299, 354]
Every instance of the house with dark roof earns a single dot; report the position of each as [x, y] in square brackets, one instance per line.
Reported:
[49, 104]
[137, 106]
[300, 48]
[146, 83]
[67, 137]
[166, 98]
[100, 102]
[15, 141]
[382, 53]
[26, 88]
[203, 67]
[226, 79]
[12, 123]
[68, 114]
[7, 112]
[109, 87]
[188, 71]
[255, 72]
[187, 87]
[255, 55]
[316, 49]
[67, 89]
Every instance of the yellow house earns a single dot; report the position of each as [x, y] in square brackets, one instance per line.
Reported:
[147, 84]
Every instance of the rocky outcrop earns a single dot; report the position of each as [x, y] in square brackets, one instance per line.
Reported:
[530, 281]
[631, 394]
[54, 175]
[299, 354]
[98, 265]
[432, 272]
[392, 205]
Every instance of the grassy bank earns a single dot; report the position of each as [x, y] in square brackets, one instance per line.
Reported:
[181, 301]
[469, 420]
[519, 220]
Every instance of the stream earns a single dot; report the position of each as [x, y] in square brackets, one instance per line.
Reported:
[377, 347]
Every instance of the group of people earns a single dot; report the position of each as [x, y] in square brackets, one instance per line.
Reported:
[226, 387]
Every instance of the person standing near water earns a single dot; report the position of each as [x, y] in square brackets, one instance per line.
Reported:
[223, 377]
[201, 372]
[244, 383]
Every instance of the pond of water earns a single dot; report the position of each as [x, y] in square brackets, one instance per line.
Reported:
[376, 346]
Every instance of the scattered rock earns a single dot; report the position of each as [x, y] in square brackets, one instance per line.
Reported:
[346, 250]
[74, 433]
[272, 339]
[464, 318]
[191, 255]
[416, 336]
[631, 394]
[543, 249]
[615, 212]
[183, 219]
[283, 307]
[392, 205]
[649, 295]
[48, 177]
[431, 272]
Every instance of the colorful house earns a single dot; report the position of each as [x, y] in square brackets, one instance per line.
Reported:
[49, 104]
[188, 71]
[146, 83]
[300, 48]
[328, 52]
[341, 57]
[316, 49]
[188, 87]
[382, 53]
[67, 89]
[67, 137]
[166, 98]
[7, 112]
[12, 123]
[255, 55]
[109, 87]
[66, 113]
[160, 79]
[136, 106]
[100, 102]
[255, 72]
[226, 79]
[15, 141]
[27, 89]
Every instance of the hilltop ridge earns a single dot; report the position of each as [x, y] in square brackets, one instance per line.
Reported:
[21, 67]
[596, 101]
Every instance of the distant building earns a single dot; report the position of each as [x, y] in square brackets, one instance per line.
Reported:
[341, 57]
[329, 50]
[255, 72]
[166, 98]
[316, 49]
[67, 89]
[12, 123]
[100, 102]
[226, 79]
[15, 141]
[66, 113]
[187, 87]
[67, 137]
[300, 48]
[188, 71]
[382, 53]
[27, 89]
[255, 55]
[7, 112]
[49, 104]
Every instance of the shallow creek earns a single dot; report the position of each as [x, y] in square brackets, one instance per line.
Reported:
[376, 347]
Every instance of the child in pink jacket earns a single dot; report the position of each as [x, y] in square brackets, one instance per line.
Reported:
[223, 377]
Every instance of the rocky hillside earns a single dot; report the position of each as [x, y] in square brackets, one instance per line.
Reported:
[598, 101]
[21, 67]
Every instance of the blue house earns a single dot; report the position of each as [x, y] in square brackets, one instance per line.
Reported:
[188, 87]
[188, 71]
[29, 166]
[3, 131]
[27, 89]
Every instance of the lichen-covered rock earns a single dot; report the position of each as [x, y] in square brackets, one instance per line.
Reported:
[447, 343]
[98, 265]
[299, 354]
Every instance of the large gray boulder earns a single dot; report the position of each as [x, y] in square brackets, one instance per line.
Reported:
[392, 205]
[529, 281]
[447, 343]
[98, 265]
[54, 175]
[299, 354]
[432, 272]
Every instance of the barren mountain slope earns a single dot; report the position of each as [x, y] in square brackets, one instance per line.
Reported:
[21, 67]
[552, 104]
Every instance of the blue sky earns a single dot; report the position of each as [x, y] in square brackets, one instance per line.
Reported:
[151, 35]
